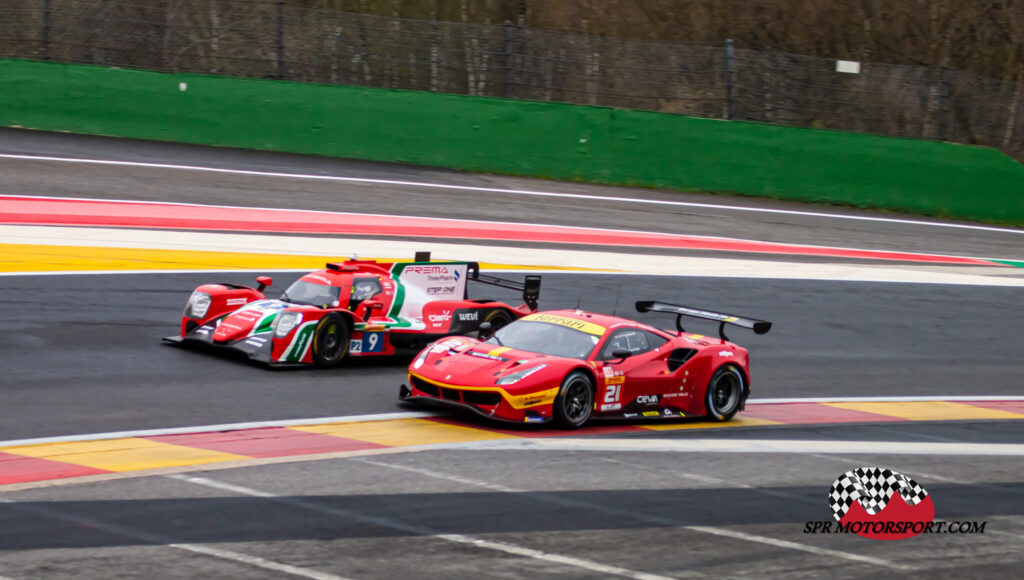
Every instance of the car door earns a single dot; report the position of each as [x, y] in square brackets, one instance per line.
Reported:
[636, 383]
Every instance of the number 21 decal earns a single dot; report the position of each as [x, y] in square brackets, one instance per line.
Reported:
[612, 393]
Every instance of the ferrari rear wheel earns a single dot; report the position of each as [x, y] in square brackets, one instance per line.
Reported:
[725, 391]
[575, 400]
[330, 342]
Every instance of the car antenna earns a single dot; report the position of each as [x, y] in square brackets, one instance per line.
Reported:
[615, 310]
[579, 300]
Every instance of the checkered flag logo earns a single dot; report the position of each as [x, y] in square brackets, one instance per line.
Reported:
[873, 488]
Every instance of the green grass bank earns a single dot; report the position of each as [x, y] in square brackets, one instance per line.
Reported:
[559, 141]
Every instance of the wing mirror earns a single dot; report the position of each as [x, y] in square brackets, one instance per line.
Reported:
[374, 305]
[264, 281]
[485, 330]
[620, 355]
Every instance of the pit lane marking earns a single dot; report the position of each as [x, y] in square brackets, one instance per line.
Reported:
[655, 520]
[418, 530]
[159, 540]
[504, 191]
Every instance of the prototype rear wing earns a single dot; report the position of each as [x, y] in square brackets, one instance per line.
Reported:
[530, 286]
[758, 326]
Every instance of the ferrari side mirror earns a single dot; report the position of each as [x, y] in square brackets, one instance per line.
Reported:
[485, 330]
[264, 281]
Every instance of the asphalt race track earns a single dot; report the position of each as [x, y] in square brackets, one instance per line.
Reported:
[82, 354]
[90, 358]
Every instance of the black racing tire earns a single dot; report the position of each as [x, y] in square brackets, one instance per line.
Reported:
[725, 393]
[575, 400]
[330, 341]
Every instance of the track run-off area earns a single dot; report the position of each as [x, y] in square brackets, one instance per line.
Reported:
[896, 344]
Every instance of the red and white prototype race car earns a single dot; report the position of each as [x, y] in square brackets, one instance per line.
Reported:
[352, 308]
[570, 365]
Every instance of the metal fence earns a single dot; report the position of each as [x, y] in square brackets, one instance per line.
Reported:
[303, 40]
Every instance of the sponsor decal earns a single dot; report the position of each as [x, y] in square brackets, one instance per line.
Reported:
[236, 301]
[256, 341]
[613, 407]
[440, 290]
[445, 316]
[580, 325]
[647, 400]
[672, 395]
[529, 419]
[428, 269]
[671, 413]
[318, 278]
[617, 380]
[374, 327]
[630, 415]
[469, 316]
[725, 353]
[651, 414]
[499, 350]
[446, 345]
[485, 355]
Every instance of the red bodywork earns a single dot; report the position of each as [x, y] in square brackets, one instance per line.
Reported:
[387, 308]
[668, 380]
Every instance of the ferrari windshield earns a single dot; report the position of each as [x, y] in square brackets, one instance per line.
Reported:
[308, 293]
[545, 338]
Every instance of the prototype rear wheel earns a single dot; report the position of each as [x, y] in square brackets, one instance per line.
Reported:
[330, 341]
[575, 400]
[498, 318]
[725, 391]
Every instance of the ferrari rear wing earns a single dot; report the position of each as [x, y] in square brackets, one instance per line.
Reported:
[758, 326]
[530, 286]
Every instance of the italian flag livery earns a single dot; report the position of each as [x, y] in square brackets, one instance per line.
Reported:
[351, 308]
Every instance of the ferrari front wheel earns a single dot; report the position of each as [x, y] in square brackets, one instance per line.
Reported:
[575, 400]
[725, 391]
[330, 342]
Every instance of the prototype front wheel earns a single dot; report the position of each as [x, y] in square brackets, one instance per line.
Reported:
[330, 342]
[575, 400]
[725, 391]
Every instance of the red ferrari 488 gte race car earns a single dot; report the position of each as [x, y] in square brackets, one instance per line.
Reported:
[353, 308]
[570, 365]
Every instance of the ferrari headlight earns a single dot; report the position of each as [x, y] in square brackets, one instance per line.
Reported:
[198, 304]
[518, 375]
[421, 359]
[286, 322]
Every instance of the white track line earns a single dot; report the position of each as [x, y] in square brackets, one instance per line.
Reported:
[499, 224]
[942, 398]
[422, 414]
[217, 428]
[646, 518]
[502, 191]
[743, 446]
[647, 264]
[158, 540]
[422, 531]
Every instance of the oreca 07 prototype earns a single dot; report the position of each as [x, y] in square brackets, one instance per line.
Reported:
[352, 308]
